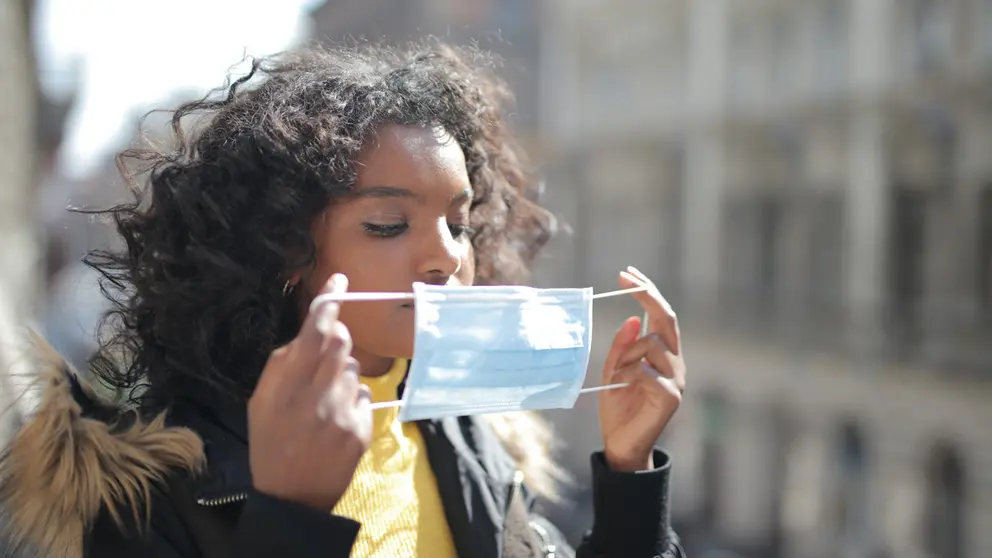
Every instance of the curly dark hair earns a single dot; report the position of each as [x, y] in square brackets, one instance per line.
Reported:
[221, 218]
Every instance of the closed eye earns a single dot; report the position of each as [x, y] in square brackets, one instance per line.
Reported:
[385, 231]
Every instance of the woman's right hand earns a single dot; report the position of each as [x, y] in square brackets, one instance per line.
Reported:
[309, 419]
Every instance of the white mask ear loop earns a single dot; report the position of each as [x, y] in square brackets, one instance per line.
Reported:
[645, 328]
[368, 297]
[360, 297]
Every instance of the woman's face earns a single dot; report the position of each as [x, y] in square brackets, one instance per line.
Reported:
[407, 222]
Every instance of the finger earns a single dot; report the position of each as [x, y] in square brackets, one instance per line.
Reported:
[640, 375]
[335, 356]
[345, 387]
[635, 373]
[652, 349]
[661, 317]
[363, 414]
[639, 279]
[637, 273]
[309, 343]
[626, 335]
[335, 359]
[338, 397]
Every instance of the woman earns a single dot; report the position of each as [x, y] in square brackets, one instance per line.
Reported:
[247, 429]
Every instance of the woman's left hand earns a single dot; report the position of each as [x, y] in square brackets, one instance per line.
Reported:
[633, 417]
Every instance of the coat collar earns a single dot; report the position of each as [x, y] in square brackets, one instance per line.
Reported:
[223, 426]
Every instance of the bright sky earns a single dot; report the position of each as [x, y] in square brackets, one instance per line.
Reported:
[135, 53]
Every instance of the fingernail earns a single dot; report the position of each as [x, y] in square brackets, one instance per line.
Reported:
[364, 393]
[338, 282]
[351, 368]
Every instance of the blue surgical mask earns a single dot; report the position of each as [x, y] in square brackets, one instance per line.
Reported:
[496, 349]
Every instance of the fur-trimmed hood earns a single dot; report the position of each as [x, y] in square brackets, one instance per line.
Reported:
[74, 456]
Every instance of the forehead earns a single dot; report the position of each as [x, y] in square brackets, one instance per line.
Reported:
[400, 155]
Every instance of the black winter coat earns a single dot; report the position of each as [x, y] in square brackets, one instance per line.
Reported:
[79, 484]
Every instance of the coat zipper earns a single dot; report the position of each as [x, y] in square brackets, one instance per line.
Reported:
[222, 501]
[548, 548]
[518, 481]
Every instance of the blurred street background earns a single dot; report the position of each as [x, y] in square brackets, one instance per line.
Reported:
[808, 181]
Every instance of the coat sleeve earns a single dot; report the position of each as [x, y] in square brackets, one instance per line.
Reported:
[631, 515]
[266, 527]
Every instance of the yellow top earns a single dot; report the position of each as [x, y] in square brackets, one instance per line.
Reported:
[394, 493]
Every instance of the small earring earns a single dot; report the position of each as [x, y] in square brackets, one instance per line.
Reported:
[288, 288]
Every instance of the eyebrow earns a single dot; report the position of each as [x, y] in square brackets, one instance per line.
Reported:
[387, 192]
[395, 192]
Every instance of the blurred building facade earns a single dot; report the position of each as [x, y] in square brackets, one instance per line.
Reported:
[811, 185]
[18, 130]
[508, 28]
[30, 131]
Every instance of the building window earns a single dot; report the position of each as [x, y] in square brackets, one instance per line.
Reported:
[753, 228]
[906, 272]
[825, 292]
[945, 502]
[670, 246]
[832, 39]
[715, 421]
[782, 44]
[984, 21]
[933, 33]
[782, 437]
[852, 493]
[745, 57]
[770, 221]
[983, 263]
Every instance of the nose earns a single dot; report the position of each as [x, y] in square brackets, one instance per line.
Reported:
[441, 256]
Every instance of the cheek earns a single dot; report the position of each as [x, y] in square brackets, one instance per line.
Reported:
[379, 328]
[323, 265]
[466, 274]
[366, 318]
[369, 264]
